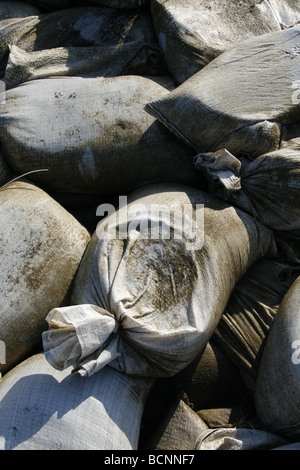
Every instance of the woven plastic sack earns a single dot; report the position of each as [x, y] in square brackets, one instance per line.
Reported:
[267, 188]
[97, 61]
[240, 99]
[194, 32]
[277, 391]
[238, 439]
[93, 135]
[43, 409]
[243, 330]
[78, 27]
[146, 300]
[41, 247]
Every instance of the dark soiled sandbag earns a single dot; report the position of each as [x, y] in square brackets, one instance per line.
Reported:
[243, 330]
[6, 174]
[238, 439]
[147, 300]
[193, 32]
[105, 61]
[267, 188]
[93, 135]
[78, 27]
[17, 9]
[43, 409]
[215, 381]
[41, 247]
[179, 429]
[239, 100]
[277, 391]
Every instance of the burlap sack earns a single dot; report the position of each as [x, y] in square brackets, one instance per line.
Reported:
[146, 300]
[240, 99]
[43, 409]
[93, 135]
[277, 391]
[41, 247]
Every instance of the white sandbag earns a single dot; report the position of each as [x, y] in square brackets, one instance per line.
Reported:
[238, 439]
[146, 300]
[105, 61]
[277, 392]
[239, 100]
[193, 32]
[267, 188]
[43, 409]
[17, 9]
[243, 330]
[93, 135]
[41, 247]
[78, 27]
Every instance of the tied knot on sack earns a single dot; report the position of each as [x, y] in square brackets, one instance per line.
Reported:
[221, 168]
[82, 336]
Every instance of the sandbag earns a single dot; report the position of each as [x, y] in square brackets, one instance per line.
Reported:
[267, 188]
[93, 135]
[214, 382]
[246, 321]
[41, 247]
[17, 9]
[192, 32]
[43, 409]
[238, 439]
[177, 430]
[78, 27]
[105, 61]
[277, 391]
[146, 299]
[239, 100]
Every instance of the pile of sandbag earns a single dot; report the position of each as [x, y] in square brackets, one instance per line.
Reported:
[150, 262]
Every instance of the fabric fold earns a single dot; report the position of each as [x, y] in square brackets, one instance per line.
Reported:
[75, 333]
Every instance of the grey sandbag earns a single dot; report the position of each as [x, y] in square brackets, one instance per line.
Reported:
[43, 409]
[93, 135]
[240, 99]
[277, 392]
[243, 330]
[78, 27]
[95, 61]
[41, 247]
[267, 188]
[154, 282]
[178, 429]
[238, 439]
[17, 9]
[194, 32]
